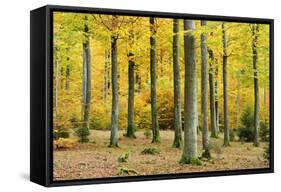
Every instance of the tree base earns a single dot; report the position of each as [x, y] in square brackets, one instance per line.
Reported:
[215, 136]
[114, 145]
[156, 139]
[130, 135]
[256, 144]
[177, 143]
[206, 154]
[226, 144]
[190, 160]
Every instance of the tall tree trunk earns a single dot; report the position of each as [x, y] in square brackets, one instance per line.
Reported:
[115, 88]
[214, 132]
[84, 130]
[217, 96]
[67, 78]
[131, 81]
[154, 116]
[177, 95]
[204, 92]
[190, 96]
[225, 86]
[255, 30]
[238, 99]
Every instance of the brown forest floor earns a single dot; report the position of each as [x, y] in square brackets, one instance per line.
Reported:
[96, 160]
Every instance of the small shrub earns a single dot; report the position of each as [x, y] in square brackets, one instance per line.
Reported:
[150, 151]
[264, 131]
[246, 132]
[147, 133]
[60, 132]
[74, 121]
[124, 157]
[99, 123]
[126, 171]
[83, 133]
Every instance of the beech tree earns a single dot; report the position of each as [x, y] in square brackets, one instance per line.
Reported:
[131, 89]
[83, 131]
[115, 88]
[190, 96]
[225, 87]
[177, 96]
[214, 130]
[204, 92]
[154, 116]
[255, 30]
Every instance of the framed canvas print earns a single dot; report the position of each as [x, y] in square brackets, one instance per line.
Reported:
[123, 95]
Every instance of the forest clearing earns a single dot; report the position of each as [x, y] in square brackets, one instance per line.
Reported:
[96, 160]
[148, 96]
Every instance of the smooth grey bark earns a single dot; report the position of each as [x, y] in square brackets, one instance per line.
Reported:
[84, 82]
[255, 30]
[204, 92]
[217, 96]
[190, 95]
[225, 86]
[83, 131]
[131, 89]
[115, 88]
[177, 95]
[238, 99]
[154, 115]
[214, 131]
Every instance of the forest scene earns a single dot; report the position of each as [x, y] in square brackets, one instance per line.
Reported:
[137, 96]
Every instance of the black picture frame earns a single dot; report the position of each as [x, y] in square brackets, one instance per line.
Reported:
[41, 70]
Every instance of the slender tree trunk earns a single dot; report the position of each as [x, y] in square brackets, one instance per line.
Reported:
[177, 95]
[84, 83]
[88, 87]
[204, 92]
[214, 132]
[154, 116]
[225, 86]
[255, 29]
[238, 99]
[114, 77]
[190, 96]
[67, 78]
[131, 91]
[86, 95]
[217, 97]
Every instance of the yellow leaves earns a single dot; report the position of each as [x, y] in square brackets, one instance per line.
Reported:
[64, 143]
